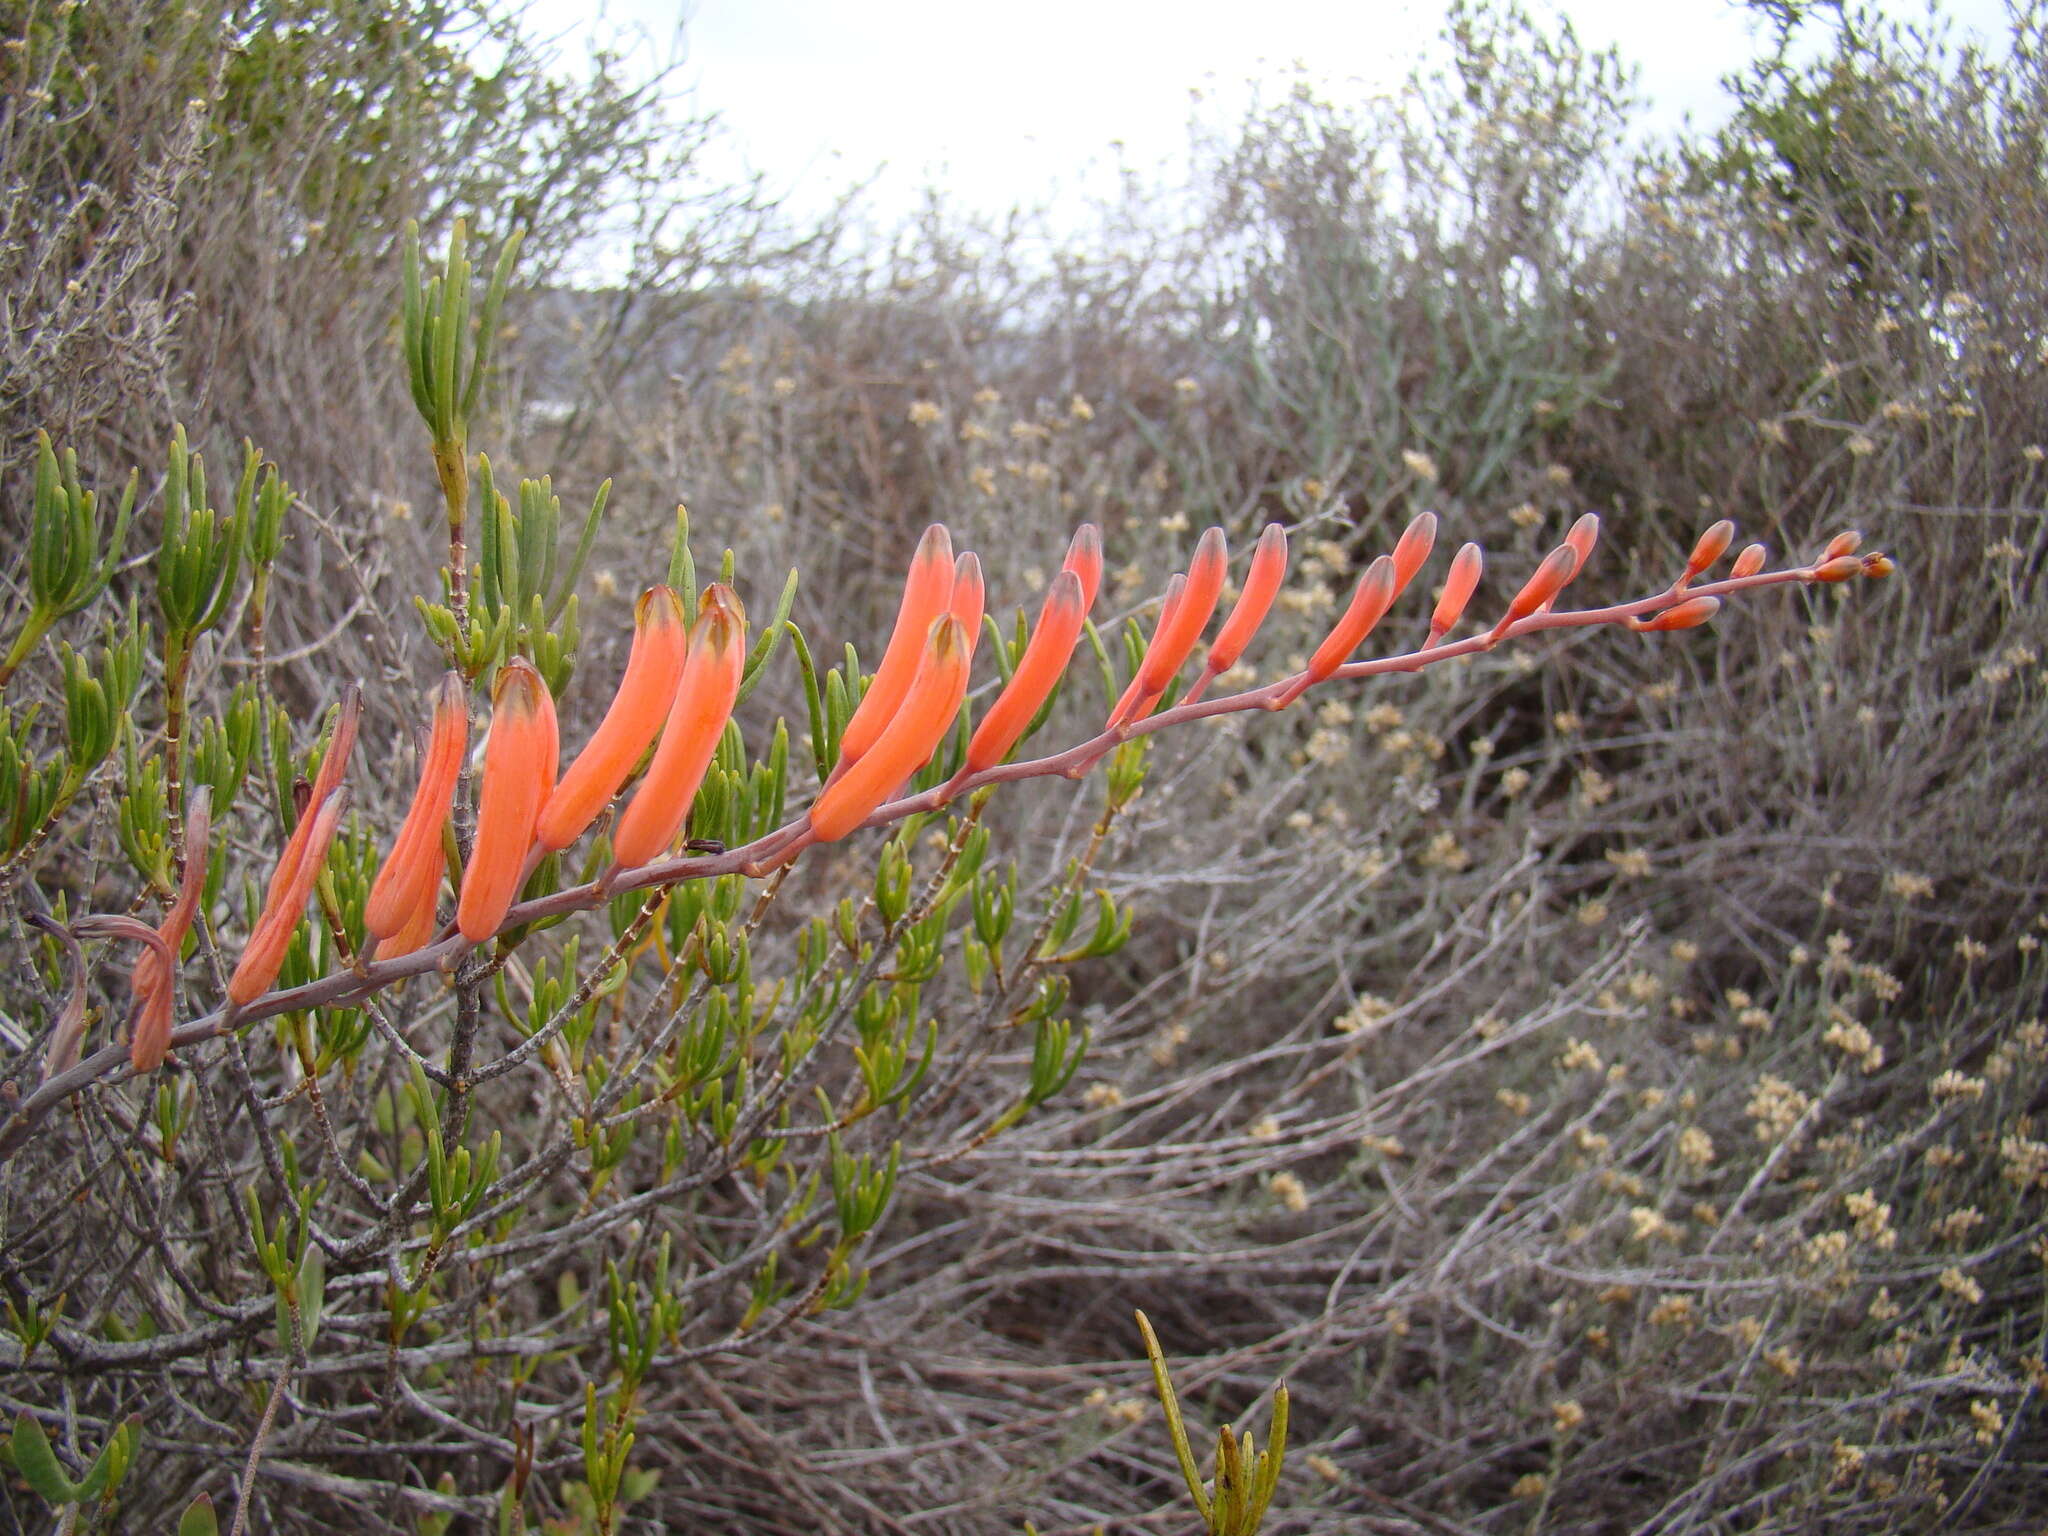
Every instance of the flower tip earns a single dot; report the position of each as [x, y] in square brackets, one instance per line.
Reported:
[966, 601]
[1712, 545]
[519, 686]
[453, 694]
[661, 605]
[721, 599]
[1878, 566]
[1413, 548]
[1084, 559]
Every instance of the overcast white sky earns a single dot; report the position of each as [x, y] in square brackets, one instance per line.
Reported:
[1002, 104]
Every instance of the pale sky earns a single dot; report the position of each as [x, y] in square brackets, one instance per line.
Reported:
[1001, 104]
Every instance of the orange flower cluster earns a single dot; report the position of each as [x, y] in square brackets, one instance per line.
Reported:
[680, 685]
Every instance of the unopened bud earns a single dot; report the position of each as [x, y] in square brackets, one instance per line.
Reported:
[1841, 568]
[1749, 562]
[1687, 615]
[1878, 566]
[1844, 543]
[1712, 545]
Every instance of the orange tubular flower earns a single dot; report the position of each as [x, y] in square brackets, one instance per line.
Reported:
[926, 593]
[711, 682]
[1712, 545]
[150, 981]
[1416, 541]
[1459, 586]
[1133, 696]
[416, 863]
[1557, 569]
[1585, 533]
[1749, 562]
[653, 669]
[325, 781]
[966, 602]
[1377, 589]
[1261, 584]
[419, 927]
[1044, 660]
[1686, 615]
[1084, 559]
[272, 936]
[518, 777]
[912, 737]
[1178, 632]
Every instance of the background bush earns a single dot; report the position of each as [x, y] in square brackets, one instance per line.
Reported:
[1604, 1078]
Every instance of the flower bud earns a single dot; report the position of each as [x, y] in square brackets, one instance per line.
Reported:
[914, 734]
[926, 592]
[1459, 585]
[1712, 545]
[1261, 585]
[654, 667]
[518, 777]
[1686, 615]
[1374, 595]
[1412, 549]
[416, 861]
[696, 722]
